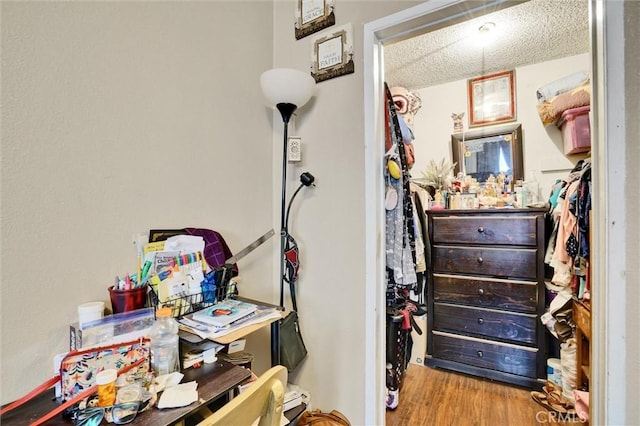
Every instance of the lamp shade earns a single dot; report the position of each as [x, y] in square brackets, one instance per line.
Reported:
[287, 85]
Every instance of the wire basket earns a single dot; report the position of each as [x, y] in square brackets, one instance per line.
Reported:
[213, 289]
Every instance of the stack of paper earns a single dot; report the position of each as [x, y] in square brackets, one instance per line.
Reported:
[237, 358]
[291, 400]
[294, 396]
[205, 330]
[204, 352]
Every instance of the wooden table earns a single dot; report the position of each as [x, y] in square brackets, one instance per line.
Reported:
[214, 381]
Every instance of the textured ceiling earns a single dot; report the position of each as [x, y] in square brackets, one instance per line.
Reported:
[524, 34]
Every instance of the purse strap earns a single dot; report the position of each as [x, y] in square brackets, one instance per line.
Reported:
[28, 397]
[60, 408]
[290, 246]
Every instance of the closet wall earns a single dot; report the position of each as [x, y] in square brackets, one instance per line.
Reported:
[542, 145]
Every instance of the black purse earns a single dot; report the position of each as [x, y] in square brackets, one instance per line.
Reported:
[292, 348]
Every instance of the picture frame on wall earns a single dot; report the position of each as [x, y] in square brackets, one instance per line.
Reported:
[492, 99]
[333, 54]
[313, 16]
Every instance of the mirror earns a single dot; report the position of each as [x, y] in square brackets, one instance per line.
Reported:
[482, 152]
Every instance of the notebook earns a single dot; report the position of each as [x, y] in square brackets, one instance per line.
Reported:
[225, 313]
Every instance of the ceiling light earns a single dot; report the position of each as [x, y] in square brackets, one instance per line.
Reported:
[486, 27]
[486, 34]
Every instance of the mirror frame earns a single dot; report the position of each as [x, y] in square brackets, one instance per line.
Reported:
[514, 129]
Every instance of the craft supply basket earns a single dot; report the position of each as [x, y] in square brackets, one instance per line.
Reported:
[212, 291]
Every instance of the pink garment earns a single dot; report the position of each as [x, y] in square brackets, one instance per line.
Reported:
[567, 225]
[582, 403]
[406, 322]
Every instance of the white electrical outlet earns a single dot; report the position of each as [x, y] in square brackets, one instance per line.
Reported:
[294, 151]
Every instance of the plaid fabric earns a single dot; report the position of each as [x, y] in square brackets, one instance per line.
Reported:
[216, 250]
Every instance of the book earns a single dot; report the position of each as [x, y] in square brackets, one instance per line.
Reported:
[207, 331]
[225, 313]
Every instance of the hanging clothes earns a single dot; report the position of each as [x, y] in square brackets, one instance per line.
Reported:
[400, 234]
[568, 248]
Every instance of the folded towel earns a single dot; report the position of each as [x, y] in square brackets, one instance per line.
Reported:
[562, 85]
[550, 111]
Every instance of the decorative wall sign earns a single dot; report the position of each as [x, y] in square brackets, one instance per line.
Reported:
[333, 54]
[313, 16]
[492, 99]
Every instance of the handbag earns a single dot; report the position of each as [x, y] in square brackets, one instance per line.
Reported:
[291, 345]
[78, 371]
[318, 418]
[292, 348]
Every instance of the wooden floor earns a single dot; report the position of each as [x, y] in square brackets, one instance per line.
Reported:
[441, 398]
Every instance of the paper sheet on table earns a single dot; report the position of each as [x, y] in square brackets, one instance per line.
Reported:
[167, 380]
[184, 244]
[179, 396]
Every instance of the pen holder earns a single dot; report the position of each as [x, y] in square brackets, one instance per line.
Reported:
[127, 300]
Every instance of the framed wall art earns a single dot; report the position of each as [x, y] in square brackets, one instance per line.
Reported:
[313, 16]
[492, 99]
[333, 54]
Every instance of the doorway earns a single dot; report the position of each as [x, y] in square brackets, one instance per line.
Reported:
[608, 306]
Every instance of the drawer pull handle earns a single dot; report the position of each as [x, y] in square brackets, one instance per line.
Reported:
[480, 354]
[481, 230]
[480, 321]
[480, 260]
[481, 292]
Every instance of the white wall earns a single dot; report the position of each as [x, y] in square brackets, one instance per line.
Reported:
[329, 220]
[119, 117]
[632, 249]
[542, 146]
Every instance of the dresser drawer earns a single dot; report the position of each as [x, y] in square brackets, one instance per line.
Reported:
[482, 353]
[521, 296]
[520, 328]
[496, 262]
[508, 230]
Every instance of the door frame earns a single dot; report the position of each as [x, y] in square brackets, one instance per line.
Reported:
[608, 380]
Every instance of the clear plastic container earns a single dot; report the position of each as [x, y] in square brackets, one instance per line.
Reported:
[164, 343]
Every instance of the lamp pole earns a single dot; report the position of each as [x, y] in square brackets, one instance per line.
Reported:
[287, 89]
[286, 110]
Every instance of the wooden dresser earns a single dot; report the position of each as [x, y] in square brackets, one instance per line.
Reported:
[486, 294]
[582, 318]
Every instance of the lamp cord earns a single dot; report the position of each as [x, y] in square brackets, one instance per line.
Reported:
[286, 221]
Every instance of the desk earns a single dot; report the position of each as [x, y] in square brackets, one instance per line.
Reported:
[214, 380]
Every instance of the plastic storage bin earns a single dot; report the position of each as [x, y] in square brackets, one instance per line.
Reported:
[576, 130]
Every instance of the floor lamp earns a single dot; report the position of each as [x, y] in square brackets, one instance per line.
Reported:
[287, 89]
